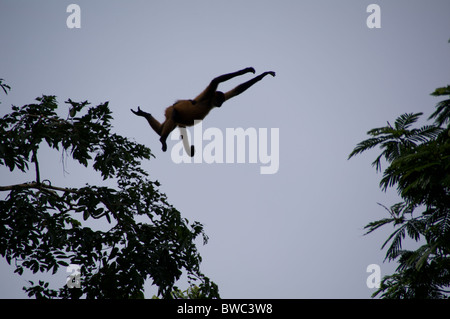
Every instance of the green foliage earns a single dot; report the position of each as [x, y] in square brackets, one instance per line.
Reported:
[418, 162]
[442, 113]
[194, 291]
[42, 226]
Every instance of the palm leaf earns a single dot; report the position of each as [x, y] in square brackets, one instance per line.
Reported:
[442, 113]
[377, 224]
[406, 120]
[397, 237]
[366, 145]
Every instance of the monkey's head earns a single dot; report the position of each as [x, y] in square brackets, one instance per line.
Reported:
[219, 98]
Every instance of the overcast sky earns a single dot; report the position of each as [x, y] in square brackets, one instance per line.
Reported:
[297, 233]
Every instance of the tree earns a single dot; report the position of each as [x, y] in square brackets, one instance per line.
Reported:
[418, 162]
[43, 226]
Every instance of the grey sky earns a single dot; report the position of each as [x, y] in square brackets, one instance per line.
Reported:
[294, 234]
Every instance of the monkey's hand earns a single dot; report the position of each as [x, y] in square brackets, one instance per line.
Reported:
[252, 70]
[138, 112]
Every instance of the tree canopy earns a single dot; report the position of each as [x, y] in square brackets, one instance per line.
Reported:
[418, 165]
[43, 226]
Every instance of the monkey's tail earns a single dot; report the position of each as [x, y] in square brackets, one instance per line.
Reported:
[190, 150]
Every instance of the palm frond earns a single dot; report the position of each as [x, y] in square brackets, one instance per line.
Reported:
[442, 113]
[367, 145]
[414, 229]
[390, 178]
[423, 134]
[404, 121]
[442, 91]
[396, 140]
[377, 224]
[396, 245]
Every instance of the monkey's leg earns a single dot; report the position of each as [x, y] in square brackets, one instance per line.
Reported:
[156, 126]
[244, 86]
[167, 127]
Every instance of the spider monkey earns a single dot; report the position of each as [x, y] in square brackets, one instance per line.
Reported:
[183, 112]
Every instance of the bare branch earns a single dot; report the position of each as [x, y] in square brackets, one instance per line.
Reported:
[53, 189]
[36, 164]
[40, 186]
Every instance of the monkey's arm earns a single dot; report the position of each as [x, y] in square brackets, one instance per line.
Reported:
[244, 86]
[209, 92]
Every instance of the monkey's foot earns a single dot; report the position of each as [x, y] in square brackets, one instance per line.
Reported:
[164, 144]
